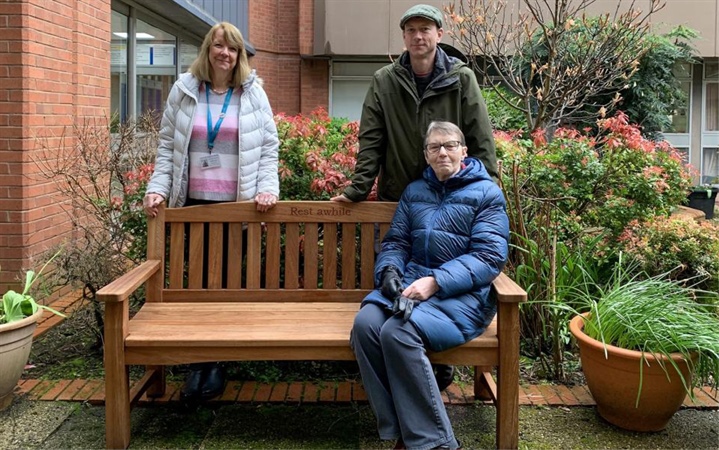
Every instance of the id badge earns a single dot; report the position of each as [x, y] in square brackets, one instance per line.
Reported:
[210, 161]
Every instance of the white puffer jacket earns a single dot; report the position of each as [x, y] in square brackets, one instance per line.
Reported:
[257, 137]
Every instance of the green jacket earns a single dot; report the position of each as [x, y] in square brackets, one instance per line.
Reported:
[394, 120]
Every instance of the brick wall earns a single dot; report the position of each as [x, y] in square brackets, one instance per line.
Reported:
[54, 73]
[282, 32]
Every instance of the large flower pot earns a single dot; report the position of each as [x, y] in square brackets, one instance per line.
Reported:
[15, 343]
[614, 382]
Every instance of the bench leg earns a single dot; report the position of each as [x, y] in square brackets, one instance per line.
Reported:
[158, 385]
[117, 382]
[508, 377]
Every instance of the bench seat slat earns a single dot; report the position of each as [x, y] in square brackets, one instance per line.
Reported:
[262, 324]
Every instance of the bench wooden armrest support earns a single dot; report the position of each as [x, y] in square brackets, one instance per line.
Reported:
[280, 285]
[120, 289]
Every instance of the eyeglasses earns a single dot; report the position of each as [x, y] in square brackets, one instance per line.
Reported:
[450, 146]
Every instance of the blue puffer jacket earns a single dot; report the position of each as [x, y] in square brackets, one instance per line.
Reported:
[456, 231]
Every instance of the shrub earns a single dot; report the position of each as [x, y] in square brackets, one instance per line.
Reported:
[562, 192]
[317, 155]
[682, 247]
[583, 181]
[102, 175]
[502, 113]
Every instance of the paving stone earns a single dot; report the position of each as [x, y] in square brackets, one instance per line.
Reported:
[535, 395]
[26, 424]
[55, 390]
[524, 396]
[71, 390]
[263, 392]
[566, 395]
[583, 395]
[295, 391]
[311, 393]
[327, 392]
[26, 386]
[344, 391]
[247, 392]
[40, 389]
[87, 390]
[279, 392]
[232, 390]
[98, 396]
[455, 395]
[358, 393]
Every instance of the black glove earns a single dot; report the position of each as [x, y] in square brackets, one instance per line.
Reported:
[404, 306]
[391, 283]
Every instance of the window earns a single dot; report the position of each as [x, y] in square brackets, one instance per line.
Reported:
[711, 106]
[348, 87]
[710, 165]
[118, 71]
[156, 67]
[143, 85]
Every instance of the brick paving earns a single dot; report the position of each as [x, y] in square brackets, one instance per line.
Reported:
[93, 391]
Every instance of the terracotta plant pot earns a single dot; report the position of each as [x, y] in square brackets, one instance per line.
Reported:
[15, 343]
[615, 380]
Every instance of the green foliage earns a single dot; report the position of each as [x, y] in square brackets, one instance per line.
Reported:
[317, 155]
[681, 247]
[577, 181]
[17, 306]
[658, 317]
[654, 92]
[552, 277]
[565, 197]
[503, 115]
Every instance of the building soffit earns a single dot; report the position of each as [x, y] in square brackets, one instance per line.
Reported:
[182, 13]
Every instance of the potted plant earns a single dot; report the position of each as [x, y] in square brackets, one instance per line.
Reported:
[19, 313]
[703, 198]
[644, 345]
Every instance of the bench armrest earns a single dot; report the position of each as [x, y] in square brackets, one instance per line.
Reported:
[120, 289]
[506, 290]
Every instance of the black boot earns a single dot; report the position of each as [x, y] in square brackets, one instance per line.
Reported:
[213, 381]
[444, 375]
[190, 392]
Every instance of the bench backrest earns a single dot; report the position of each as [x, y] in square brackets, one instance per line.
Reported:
[297, 251]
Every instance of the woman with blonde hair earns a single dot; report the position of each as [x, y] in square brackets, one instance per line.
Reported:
[218, 143]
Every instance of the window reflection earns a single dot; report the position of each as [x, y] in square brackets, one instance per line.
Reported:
[156, 61]
[118, 70]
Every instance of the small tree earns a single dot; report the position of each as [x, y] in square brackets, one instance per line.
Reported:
[553, 57]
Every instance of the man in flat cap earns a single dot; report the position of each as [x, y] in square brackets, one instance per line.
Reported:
[429, 81]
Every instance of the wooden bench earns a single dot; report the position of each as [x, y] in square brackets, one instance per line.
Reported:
[292, 290]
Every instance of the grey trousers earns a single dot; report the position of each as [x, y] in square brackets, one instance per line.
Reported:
[399, 381]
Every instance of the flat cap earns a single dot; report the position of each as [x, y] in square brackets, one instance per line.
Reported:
[424, 11]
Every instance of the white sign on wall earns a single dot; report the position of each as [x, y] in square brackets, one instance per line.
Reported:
[147, 54]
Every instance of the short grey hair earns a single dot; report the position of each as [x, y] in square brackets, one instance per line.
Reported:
[442, 127]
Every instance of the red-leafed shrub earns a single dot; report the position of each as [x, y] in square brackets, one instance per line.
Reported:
[317, 155]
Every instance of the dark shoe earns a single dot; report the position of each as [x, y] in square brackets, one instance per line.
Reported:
[190, 391]
[444, 375]
[213, 382]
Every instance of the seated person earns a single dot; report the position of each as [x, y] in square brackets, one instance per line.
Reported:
[447, 242]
